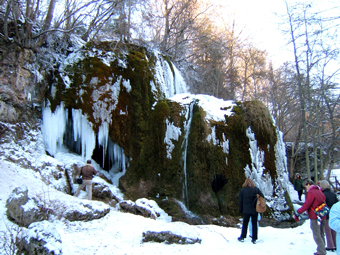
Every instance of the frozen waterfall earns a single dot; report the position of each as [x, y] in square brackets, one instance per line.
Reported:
[56, 134]
[71, 128]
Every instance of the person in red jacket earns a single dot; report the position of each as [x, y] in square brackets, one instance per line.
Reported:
[314, 198]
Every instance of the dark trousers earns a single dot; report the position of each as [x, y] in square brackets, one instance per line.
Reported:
[300, 194]
[330, 235]
[319, 235]
[245, 225]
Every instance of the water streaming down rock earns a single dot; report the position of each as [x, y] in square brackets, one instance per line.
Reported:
[188, 117]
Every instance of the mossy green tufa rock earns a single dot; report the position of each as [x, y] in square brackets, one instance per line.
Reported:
[195, 149]
[203, 149]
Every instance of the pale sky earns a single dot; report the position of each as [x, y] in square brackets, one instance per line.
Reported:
[261, 24]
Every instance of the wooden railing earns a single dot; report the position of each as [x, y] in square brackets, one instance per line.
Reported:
[336, 184]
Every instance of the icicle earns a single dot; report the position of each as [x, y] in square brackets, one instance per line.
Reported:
[225, 147]
[168, 81]
[53, 127]
[103, 137]
[76, 120]
[262, 181]
[82, 129]
[172, 133]
[212, 136]
[116, 158]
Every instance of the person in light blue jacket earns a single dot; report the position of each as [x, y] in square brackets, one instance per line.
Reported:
[334, 223]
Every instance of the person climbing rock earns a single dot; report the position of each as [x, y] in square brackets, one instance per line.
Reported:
[87, 172]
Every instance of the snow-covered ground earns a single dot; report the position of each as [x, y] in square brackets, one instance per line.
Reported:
[121, 233]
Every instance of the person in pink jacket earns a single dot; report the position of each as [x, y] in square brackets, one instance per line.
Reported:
[314, 198]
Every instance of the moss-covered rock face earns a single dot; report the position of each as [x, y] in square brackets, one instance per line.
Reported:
[179, 148]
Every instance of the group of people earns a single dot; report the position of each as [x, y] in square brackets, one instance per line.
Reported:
[316, 195]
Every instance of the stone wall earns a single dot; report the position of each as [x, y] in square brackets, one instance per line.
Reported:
[20, 94]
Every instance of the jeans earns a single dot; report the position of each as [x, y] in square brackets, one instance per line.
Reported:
[250, 225]
[246, 218]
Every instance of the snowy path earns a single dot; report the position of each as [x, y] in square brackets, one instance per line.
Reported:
[121, 233]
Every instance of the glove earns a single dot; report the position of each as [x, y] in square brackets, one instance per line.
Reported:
[297, 217]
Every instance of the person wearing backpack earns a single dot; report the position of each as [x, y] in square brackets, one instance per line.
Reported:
[331, 199]
[247, 206]
[314, 198]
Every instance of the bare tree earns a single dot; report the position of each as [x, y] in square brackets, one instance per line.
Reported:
[311, 46]
[208, 55]
[29, 23]
[254, 72]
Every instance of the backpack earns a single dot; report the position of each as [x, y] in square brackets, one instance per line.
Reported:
[321, 211]
[260, 204]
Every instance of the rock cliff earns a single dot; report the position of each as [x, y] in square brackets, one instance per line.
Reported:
[130, 111]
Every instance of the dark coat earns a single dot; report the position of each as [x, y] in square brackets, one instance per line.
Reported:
[314, 198]
[298, 184]
[247, 199]
[331, 198]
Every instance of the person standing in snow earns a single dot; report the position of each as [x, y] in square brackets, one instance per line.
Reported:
[298, 185]
[331, 199]
[87, 172]
[334, 223]
[247, 205]
[314, 198]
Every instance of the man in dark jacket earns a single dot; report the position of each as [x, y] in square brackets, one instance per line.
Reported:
[247, 205]
[87, 172]
[314, 198]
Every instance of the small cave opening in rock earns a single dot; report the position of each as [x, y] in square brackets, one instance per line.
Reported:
[112, 158]
[218, 182]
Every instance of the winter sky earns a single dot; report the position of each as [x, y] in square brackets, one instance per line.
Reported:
[260, 20]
